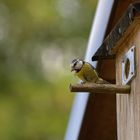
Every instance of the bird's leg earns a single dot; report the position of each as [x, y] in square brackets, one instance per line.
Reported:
[83, 82]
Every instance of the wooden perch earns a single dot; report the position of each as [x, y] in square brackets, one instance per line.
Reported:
[100, 88]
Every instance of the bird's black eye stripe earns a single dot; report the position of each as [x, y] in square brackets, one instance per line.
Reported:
[75, 64]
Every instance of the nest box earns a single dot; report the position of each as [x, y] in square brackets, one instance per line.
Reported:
[123, 45]
[116, 115]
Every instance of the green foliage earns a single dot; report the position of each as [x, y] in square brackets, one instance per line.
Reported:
[38, 39]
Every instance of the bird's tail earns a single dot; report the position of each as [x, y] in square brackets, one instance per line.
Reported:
[101, 81]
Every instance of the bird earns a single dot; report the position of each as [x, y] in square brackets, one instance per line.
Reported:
[86, 72]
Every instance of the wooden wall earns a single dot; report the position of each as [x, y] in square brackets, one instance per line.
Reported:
[128, 106]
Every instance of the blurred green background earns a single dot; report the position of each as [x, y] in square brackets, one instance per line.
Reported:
[38, 40]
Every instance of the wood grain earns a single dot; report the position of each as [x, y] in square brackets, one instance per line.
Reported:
[100, 88]
[128, 106]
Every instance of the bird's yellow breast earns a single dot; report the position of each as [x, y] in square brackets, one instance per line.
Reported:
[87, 73]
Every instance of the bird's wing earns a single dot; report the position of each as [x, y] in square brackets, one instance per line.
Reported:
[87, 77]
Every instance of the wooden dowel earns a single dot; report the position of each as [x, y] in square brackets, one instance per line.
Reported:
[100, 88]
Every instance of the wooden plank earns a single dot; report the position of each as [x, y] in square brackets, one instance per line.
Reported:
[128, 106]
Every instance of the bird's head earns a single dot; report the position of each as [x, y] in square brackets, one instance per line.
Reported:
[76, 65]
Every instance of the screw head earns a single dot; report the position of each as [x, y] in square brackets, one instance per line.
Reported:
[132, 73]
[120, 31]
[107, 48]
[130, 15]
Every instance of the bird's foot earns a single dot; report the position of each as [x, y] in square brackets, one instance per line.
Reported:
[82, 83]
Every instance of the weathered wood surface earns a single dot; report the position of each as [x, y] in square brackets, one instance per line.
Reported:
[100, 88]
[128, 106]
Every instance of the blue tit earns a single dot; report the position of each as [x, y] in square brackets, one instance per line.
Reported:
[86, 72]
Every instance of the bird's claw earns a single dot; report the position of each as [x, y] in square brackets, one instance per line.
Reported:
[83, 82]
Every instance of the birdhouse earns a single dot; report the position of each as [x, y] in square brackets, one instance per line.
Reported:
[113, 112]
[123, 44]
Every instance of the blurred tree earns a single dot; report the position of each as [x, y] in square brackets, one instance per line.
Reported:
[38, 38]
